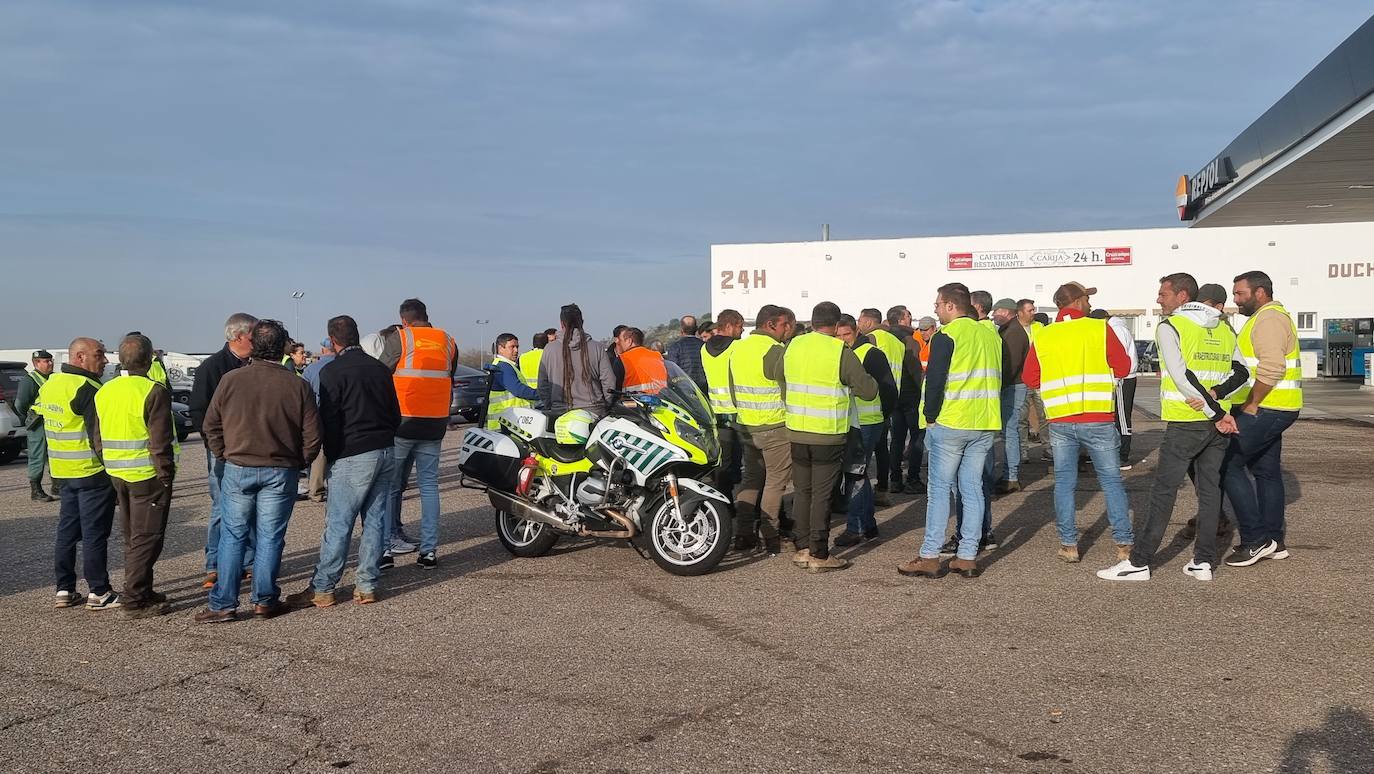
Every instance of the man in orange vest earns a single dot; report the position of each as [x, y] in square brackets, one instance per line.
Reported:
[422, 359]
[644, 369]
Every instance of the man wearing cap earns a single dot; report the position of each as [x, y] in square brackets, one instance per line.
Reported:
[316, 488]
[38, 442]
[1075, 364]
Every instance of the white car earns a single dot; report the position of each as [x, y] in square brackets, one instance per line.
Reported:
[13, 436]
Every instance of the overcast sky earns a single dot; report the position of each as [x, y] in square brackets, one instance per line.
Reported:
[167, 163]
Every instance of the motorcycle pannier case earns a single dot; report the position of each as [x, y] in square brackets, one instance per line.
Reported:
[490, 457]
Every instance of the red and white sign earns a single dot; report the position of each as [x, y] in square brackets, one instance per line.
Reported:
[1044, 258]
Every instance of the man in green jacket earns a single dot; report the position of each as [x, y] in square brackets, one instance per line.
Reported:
[38, 442]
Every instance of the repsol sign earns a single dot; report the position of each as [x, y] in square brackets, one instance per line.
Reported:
[1348, 270]
[1193, 191]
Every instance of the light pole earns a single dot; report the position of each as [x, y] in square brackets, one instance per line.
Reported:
[482, 330]
[298, 295]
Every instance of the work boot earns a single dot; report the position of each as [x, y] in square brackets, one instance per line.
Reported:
[828, 564]
[37, 494]
[921, 568]
[847, 539]
[881, 499]
[967, 568]
[1008, 486]
[915, 487]
[746, 542]
[1123, 551]
[210, 578]
[1068, 554]
[802, 557]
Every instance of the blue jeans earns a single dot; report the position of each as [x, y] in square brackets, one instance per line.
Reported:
[257, 501]
[1258, 507]
[1103, 445]
[956, 463]
[861, 520]
[358, 485]
[425, 455]
[214, 472]
[1013, 400]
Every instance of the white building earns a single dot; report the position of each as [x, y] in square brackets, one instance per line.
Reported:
[1320, 272]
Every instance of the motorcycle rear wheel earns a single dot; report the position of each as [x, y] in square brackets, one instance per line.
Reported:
[694, 544]
[524, 538]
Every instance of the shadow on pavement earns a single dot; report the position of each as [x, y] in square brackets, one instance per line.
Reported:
[1345, 742]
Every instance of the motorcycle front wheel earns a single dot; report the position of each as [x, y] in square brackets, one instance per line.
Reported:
[690, 544]
[522, 537]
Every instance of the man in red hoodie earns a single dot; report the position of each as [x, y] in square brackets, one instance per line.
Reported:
[1075, 364]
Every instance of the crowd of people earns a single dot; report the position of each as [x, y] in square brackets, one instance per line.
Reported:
[841, 412]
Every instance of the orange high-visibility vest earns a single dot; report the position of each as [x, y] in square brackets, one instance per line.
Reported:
[644, 371]
[924, 349]
[423, 377]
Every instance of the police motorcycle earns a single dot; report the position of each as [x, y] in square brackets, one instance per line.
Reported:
[636, 474]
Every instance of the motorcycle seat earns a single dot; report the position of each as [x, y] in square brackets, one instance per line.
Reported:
[561, 452]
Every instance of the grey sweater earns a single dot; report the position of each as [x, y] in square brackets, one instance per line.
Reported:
[593, 381]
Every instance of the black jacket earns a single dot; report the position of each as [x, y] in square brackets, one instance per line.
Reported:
[208, 374]
[358, 407]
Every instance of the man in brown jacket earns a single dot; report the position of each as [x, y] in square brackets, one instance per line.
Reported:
[135, 438]
[264, 424]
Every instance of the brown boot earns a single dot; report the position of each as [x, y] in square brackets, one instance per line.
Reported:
[802, 558]
[828, 564]
[967, 568]
[1068, 554]
[1123, 551]
[210, 578]
[921, 568]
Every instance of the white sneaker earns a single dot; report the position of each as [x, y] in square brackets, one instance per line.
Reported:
[109, 601]
[400, 546]
[68, 599]
[1200, 570]
[1124, 571]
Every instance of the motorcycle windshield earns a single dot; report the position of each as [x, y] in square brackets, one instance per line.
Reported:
[683, 393]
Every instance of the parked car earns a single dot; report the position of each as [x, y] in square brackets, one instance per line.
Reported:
[1146, 357]
[181, 417]
[470, 387]
[13, 436]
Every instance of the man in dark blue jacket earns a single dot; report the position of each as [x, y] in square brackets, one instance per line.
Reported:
[686, 352]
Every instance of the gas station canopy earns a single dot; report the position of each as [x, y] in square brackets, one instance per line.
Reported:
[1308, 159]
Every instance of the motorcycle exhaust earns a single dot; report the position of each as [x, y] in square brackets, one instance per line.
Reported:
[628, 526]
[524, 509]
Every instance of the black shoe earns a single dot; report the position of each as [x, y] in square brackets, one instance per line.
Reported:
[1246, 555]
[386, 562]
[37, 494]
[950, 548]
[746, 542]
[872, 534]
[1189, 530]
[427, 561]
[848, 538]
[146, 611]
[157, 597]
[773, 545]
[915, 487]
[989, 543]
[1008, 486]
[881, 485]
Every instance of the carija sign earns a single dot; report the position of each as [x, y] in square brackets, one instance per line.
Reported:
[1193, 191]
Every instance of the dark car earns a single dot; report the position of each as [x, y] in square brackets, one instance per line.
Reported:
[12, 436]
[1147, 360]
[469, 394]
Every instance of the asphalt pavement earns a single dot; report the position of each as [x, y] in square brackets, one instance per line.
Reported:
[593, 660]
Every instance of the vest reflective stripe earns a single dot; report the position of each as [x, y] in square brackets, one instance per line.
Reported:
[424, 384]
[529, 367]
[1287, 394]
[973, 397]
[866, 412]
[892, 348]
[717, 369]
[500, 400]
[1204, 350]
[1076, 378]
[817, 401]
[70, 454]
[123, 431]
[757, 399]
